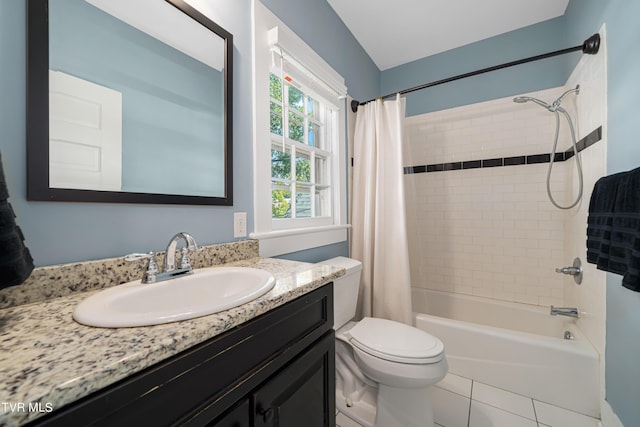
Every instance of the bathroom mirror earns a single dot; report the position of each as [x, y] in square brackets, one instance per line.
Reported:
[128, 102]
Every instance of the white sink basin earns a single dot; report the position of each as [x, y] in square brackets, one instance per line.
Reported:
[206, 291]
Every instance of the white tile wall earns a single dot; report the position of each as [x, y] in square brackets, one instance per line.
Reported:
[487, 232]
[590, 297]
[479, 234]
[492, 232]
[498, 128]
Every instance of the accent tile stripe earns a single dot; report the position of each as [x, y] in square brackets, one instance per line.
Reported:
[492, 163]
[538, 158]
[583, 144]
[472, 164]
[513, 161]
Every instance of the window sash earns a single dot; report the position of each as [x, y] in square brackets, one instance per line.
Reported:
[285, 64]
[320, 198]
[293, 185]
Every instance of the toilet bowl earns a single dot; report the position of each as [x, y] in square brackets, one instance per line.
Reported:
[383, 368]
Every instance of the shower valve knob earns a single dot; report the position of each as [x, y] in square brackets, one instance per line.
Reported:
[575, 270]
[572, 271]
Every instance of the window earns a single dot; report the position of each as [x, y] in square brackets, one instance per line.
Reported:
[301, 154]
[299, 144]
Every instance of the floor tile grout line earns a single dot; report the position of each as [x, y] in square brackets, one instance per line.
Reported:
[453, 392]
[506, 410]
[470, 402]
[535, 412]
[560, 408]
[511, 392]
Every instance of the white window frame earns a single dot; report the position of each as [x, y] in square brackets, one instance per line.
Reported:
[279, 237]
[328, 121]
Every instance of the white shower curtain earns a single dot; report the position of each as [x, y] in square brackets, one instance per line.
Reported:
[379, 231]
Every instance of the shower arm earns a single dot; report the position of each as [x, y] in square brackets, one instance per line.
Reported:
[591, 46]
[556, 104]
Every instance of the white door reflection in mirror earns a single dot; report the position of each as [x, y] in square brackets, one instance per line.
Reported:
[85, 134]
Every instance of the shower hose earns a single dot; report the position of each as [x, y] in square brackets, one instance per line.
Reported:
[553, 155]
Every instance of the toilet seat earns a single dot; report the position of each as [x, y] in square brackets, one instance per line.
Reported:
[396, 342]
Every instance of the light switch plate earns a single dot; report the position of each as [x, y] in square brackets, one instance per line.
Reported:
[239, 224]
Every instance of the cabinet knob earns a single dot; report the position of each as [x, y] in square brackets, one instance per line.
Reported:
[267, 414]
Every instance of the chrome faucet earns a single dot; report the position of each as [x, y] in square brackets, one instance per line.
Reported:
[152, 274]
[565, 311]
[170, 253]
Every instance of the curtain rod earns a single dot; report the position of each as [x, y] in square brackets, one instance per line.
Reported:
[590, 46]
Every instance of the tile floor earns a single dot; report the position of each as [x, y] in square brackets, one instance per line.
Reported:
[461, 402]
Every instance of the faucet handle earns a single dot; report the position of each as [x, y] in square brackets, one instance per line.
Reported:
[152, 270]
[572, 271]
[135, 257]
[185, 262]
[152, 265]
[575, 270]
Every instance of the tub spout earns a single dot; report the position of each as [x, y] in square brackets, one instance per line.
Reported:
[565, 311]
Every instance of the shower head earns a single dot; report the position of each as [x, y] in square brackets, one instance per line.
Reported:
[523, 99]
[553, 107]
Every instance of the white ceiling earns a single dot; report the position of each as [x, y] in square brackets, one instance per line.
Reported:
[400, 31]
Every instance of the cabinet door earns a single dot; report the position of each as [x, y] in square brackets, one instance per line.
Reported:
[302, 393]
[238, 416]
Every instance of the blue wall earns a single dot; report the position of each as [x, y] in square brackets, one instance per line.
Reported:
[534, 40]
[315, 22]
[67, 232]
[623, 153]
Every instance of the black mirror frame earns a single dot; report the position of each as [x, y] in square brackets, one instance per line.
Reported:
[38, 119]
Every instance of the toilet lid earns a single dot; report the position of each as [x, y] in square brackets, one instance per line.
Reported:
[396, 341]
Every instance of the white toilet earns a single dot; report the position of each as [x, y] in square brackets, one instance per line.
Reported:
[383, 368]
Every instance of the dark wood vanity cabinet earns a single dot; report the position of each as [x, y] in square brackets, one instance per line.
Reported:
[275, 370]
[294, 397]
[298, 392]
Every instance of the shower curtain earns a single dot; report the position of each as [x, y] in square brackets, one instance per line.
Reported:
[379, 231]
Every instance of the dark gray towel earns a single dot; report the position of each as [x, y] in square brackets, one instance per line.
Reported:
[16, 263]
[613, 227]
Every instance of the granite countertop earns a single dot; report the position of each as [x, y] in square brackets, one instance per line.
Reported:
[47, 360]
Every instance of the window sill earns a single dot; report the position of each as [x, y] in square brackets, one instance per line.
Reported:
[281, 242]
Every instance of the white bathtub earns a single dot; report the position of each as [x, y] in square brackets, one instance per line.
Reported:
[515, 347]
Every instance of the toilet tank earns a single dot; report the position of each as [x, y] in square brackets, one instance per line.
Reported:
[345, 289]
